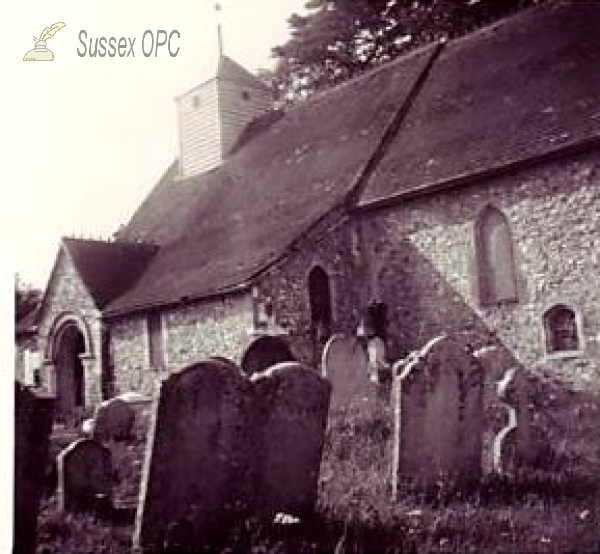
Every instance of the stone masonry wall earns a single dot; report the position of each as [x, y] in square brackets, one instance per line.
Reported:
[421, 259]
[215, 327]
[224, 326]
[129, 353]
[328, 244]
[67, 294]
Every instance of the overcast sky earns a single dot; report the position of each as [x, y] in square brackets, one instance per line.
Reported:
[83, 140]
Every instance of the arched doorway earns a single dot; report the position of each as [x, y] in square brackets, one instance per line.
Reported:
[265, 352]
[69, 346]
[321, 316]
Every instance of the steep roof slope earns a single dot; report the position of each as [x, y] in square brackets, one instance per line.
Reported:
[233, 221]
[230, 70]
[158, 219]
[108, 269]
[514, 91]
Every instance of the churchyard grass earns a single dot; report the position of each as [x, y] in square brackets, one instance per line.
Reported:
[554, 511]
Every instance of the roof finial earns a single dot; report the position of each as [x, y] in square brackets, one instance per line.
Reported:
[219, 33]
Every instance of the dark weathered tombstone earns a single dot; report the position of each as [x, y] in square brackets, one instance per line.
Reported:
[85, 477]
[265, 352]
[293, 403]
[141, 406]
[33, 425]
[438, 416]
[346, 366]
[114, 419]
[198, 472]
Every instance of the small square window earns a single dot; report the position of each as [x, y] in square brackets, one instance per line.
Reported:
[196, 101]
[562, 331]
[245, 95]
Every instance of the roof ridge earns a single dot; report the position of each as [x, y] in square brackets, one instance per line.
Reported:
[488, 28]
[367, 73]
[508, 19]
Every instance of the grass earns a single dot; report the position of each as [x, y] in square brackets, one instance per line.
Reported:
[541, 511]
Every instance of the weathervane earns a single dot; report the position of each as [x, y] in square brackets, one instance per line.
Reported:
[219, 33]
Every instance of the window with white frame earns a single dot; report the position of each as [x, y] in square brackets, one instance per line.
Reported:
[561, 330]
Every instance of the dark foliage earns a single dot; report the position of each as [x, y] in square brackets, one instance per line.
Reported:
[27, 299]
[338, 39]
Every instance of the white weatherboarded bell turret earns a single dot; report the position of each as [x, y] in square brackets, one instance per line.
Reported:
[213, 114]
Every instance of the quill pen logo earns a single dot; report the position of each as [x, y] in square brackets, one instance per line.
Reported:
[40, 53]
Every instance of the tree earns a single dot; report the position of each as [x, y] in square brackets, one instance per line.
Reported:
[27, 299]
[339, 39]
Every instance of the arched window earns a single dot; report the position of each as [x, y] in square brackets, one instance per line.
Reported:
[560, 328]
[319, 294]
[495, 262]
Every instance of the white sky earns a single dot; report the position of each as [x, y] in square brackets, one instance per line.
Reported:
[83, 140]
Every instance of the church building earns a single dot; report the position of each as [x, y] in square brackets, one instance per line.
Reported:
[456, 187]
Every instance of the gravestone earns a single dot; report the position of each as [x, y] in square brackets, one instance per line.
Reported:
[265, 352]
[114, 419]
[520, 443]
[293, 404]
[197, 473]
[133, 398]
[33, 425]
[346, 366]
[85, 476]
[496, 361]
[438, 419]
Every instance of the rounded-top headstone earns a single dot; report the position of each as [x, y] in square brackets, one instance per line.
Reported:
[114, 420]
[84, 475]
[265, 352]
[293, 405]
[197, 467]
[346, 366]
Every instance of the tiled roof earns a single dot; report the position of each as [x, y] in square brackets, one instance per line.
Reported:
[233, 221]
[108, 269]
[517, 90]
[514, 91]
[230, 70]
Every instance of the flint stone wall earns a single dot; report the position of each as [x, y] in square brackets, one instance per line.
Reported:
[420, 256]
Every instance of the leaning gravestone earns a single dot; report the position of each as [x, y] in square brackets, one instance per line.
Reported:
[438, 404]
[346, 366]
[293, 404]
[33, 425]
[197, 474]
[113, 420]
[85, 476]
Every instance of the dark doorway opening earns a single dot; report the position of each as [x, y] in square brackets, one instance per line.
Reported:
[70, 378]
[319, 294]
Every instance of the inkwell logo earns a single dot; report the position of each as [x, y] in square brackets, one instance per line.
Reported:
[40, 53]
